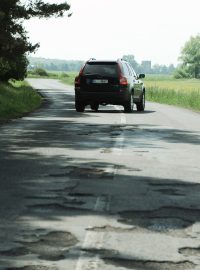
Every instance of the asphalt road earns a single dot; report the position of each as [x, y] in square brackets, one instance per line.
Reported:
[105, 190]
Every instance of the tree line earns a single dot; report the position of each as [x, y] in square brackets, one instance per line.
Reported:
[54, 64]
[75, 65]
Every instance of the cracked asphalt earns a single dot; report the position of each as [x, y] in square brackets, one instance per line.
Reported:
[99, 190]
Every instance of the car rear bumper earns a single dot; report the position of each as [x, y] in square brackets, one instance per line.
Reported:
[116, 98]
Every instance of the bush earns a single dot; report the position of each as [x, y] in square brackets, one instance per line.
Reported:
[40, 72]
[63, 75]
[182, 72]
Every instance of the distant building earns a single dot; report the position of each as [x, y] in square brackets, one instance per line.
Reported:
[146, 66]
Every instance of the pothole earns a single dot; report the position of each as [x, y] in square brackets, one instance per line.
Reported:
[190, 251]
[18, 251]
[83, 172]
[170, 191]
[149, 265]
[81, 194]
[108, 228]
[134, 170]
[43, 197]
[51, 246]
[56, 199]
[172, 184]
[163, 219]
[34, 267]
[101, 252]
[46, 208]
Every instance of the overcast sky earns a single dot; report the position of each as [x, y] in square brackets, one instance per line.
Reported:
[153, 30]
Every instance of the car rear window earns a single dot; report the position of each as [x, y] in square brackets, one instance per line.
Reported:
[103, 69]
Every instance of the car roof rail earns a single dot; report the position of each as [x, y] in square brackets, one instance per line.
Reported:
[121, 59]
[92, 59]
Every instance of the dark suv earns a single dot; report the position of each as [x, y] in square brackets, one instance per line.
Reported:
[109, 82]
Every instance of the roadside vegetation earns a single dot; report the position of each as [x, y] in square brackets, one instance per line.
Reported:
[64, 77]
[179, 92]
[16, 99]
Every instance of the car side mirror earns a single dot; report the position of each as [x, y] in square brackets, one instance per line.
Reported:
[141, 76]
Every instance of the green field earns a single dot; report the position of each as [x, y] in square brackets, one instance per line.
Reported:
[167, 90]
[16, 99]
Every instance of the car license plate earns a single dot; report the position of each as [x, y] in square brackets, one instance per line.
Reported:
[99, 81]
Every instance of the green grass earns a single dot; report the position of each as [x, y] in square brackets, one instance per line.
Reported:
[68, 79]
[65, 77]
[16, 99]
[179, 92]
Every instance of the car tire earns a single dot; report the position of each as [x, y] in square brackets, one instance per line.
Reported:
[79, 106]
[128, 106]
[141, 105]
[94, 107]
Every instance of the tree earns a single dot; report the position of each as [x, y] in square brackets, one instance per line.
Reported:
[14, 43]
[190, 57]
[131, 59]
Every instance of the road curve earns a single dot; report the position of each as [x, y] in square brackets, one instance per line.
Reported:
[99, 190]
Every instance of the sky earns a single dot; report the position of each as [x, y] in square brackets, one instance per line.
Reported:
[153, 30]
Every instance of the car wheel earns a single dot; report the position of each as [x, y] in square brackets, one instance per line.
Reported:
[141, 105]
[79, 106]
[94, 107]
[128, 106]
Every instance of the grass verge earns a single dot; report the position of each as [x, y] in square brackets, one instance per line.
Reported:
[67, 78]
[189, 100]
[166, 90]
[17, 99]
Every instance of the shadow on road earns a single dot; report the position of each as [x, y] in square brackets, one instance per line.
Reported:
[41, 181]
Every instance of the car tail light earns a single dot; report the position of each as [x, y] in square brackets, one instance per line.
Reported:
[77, 80]
[122, 79]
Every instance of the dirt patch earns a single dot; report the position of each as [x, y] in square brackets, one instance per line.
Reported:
[149, 265]
[163, 219]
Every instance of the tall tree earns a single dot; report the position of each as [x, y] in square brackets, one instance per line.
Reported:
[131, 59]
[14, 42]
[190, 57]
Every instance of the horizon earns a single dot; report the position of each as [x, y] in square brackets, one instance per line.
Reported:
[59, 59]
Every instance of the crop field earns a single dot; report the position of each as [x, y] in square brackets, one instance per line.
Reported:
[167, 90]
[168, 82]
